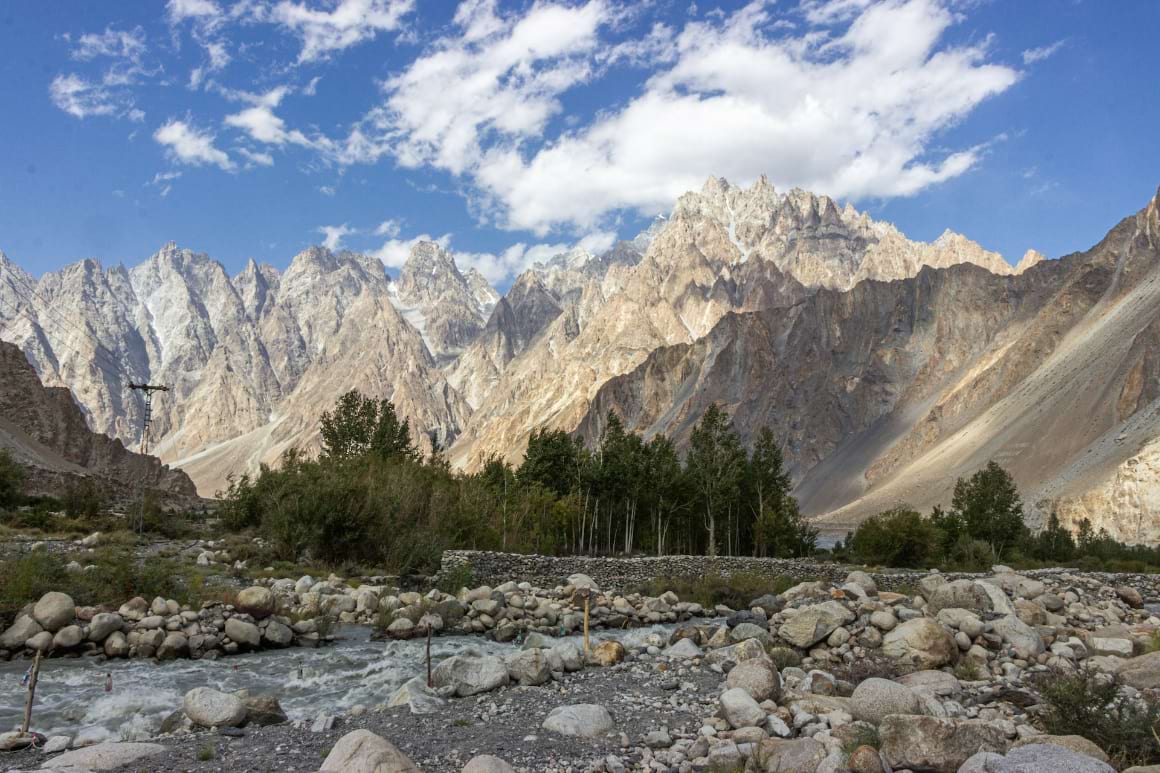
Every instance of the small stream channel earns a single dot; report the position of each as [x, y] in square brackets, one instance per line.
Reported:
[71, 697]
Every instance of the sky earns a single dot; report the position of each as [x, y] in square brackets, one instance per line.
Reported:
[513, 131]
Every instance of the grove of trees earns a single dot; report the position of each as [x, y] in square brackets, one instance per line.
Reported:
[370, 496]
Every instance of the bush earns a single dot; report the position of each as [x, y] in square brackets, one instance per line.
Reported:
[82, 499]
[898, 538]
[11, 479]
[735, 591]
[1091, 705]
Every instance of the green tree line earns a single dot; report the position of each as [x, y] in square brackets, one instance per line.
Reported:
[370, 496]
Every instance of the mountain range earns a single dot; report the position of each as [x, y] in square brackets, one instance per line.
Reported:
[887, 366]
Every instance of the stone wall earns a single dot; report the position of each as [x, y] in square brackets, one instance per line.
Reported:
[626, 574]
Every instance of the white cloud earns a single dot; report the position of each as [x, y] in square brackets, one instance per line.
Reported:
[255, 157]
[83, 98]
[388, 228]
[199, 10]
[161, 177]
[852, 108]
[394, 252]
[521, 256]
[189, 145]
[116, 44]
[347, 23]
[1033, 55]
[334, 234]
[260, 122]
[327, 190]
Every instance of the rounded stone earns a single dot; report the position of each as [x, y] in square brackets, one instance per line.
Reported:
[256, 601]
[54, 611]
[758, 677]
[242, 632]
[487, 763]
[212, 708]
[875, 698]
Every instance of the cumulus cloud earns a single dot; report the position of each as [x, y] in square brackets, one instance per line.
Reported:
[187, 144]
[260, 122]
[394, 252]
[334, 234]
[122, 53]
[863, 89]
[496, 267]
[346, 23]
[82, 98]
[256, 157]
[1033, 55]
[388, 228]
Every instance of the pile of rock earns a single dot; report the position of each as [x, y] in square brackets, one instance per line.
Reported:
[163, 628]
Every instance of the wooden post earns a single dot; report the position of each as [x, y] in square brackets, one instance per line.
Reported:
[429, 654]
[587, 594]
[31, 694]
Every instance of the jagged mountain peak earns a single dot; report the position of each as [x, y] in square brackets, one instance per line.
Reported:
[1029, 259]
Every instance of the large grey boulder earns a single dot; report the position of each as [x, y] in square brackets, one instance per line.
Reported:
[54, 611]
[739, 709]
[874, 699]
[565, 656]
[415, 695]
[528, 667]
[103, 624]
[582, 720]
[736, 653]
[116, 645]
[801, 755]
[256, 601]
[812, 624]
[471, 675]
[1141, 672]
[21, 630]
[68, 637]
[175, 645]
[277, 635]
[1047, 758]
[105, 756]
[960, 594]
[1024, 639]
[361, 751]
[684, 649]
[921, 642]
[243, 633]
[756, 676]
[212, 708]
[936, 744]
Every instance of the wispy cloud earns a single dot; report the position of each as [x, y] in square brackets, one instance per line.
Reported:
[334, 235]
[187, 144]
[1033, 55]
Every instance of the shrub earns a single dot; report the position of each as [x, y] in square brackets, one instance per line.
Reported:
[1090, 704]
[899, 538]
[709, 590]
[864, 735]
[82, 499]
[459, 577]
[11, 479]
[784, 657]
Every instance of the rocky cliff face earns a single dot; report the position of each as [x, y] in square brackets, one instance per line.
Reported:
[46, 432]
[888, 392]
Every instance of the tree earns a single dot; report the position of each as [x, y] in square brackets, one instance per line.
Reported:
[358, 425]
[715, 464]
[550, 461]
[1054, 543]
[990, 508]
[11, 479]
[779, 529]
[667, 492]
[898, 537]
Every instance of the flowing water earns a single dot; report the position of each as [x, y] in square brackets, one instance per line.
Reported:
[71, 697]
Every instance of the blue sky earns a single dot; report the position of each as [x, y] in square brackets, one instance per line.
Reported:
[253, 128]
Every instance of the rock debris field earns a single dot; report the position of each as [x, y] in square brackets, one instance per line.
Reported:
[824, 677]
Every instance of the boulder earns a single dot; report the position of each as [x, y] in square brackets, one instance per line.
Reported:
[54, 611]
[41, 641]
[1024, 639]
[1075, 743]
[769, 603]
[758, 677]
[1130, 596]
[865, 759]
[263, 710]
[1047, 758]
[15, 740]
[243, 633]
[745, 631]
[863, 580]
[739, 709]
[277, 635]
[470, 675]
[256, 601]
[921, 642]
[68, 637]
[565, 656]
[175, 645]
[1142, 672]
[962, 594]
[936, 744]
[607, 653]
[736, 653]
[103, 624]
[116, 645]
[212, 708]
[105, 756]
[801, 755]
[361, 751]
[528, 667]
[684, 649]
[874, 699]
[414, 694]
[812, 624]
[582, 720]
[487, 763]
[21, 630]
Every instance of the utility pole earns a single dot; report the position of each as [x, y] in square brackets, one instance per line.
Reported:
[146, 421]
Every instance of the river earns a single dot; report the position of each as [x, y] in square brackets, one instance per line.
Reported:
[71, 697]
